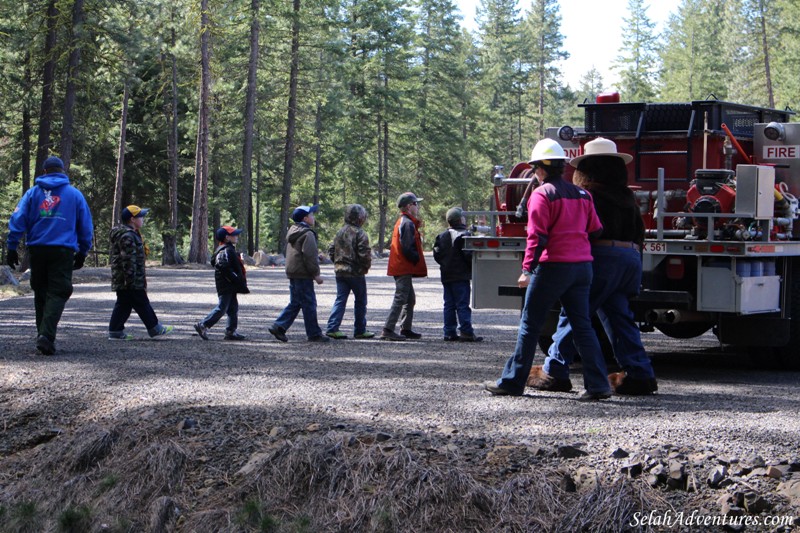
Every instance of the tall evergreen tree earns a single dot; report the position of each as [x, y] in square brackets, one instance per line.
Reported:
[198, 248]
[638, 60]
[503, 78]
[542, 34]
[437, 144]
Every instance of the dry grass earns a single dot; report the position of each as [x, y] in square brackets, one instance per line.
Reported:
[366, 487]
[137, 479]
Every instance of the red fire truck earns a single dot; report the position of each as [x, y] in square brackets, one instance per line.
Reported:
[718, 185]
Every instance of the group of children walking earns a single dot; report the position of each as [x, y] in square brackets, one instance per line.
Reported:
[352, 258]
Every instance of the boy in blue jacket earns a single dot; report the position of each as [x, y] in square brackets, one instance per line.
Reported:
[231, 279]
[55, 218]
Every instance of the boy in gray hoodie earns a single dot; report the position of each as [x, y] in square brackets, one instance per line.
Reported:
[302, 269]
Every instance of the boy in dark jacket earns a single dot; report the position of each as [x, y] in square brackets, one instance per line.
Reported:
[302, 269]
[129, 279]
[231, 279]
[456, 267]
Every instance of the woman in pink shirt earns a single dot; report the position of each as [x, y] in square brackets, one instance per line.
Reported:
[557, 266]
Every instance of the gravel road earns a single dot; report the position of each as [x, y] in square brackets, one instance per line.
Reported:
[710, 400]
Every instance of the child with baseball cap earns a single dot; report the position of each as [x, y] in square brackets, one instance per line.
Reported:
[231, 279]
[302, 269]
[128, 278]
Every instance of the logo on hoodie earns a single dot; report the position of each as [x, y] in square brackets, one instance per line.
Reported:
[49, 204]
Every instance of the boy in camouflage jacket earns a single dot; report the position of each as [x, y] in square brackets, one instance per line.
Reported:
[352, 259]
[128, 277]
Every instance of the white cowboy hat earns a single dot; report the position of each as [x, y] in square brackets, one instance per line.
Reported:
[600, 146]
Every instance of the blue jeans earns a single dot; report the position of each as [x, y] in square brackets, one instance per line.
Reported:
[301, 297]
[456, 308]
[617, 278]
[228, 304]
[550, 282]
[344, 285]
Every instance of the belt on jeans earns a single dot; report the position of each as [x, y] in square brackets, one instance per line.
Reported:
[617, 244]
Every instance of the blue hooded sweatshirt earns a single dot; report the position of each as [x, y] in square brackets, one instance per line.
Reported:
[52, 213]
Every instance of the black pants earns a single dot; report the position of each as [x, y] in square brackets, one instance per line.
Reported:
[128, 300]
[51, 281]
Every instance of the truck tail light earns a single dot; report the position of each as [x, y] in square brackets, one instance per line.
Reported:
[492, 243]
[675, 268]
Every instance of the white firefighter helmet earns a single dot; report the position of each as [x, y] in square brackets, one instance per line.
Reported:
[547, 149]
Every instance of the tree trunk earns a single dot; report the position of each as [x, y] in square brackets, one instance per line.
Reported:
[171, 255]
[43, 144]
[246, 196]
[72, 74]
[198, 247]
[767, 70]
[318, 152]
[381, 188]
[123, 128]
[257, 232]
[26, 128]
[465, 169]
[290, 128]
[385, 205]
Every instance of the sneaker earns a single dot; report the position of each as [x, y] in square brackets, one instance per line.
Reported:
[336, 335]
[119, 336]
[233, 336]
[408, 334]
[390, 335]
[201, 330]
[450, 338]
[319, 338]
[594, 396]
[469, 337]
[621, 383]
[495, 390]
[541, 380]
[162, 330]
[364, 335]
[45, 346]
[279, 333]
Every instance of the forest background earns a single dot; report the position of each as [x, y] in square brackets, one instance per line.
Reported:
[218, 112]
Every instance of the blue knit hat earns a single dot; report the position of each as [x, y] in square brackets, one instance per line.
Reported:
[53, 162]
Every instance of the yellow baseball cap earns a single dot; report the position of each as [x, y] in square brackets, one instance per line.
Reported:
[134, 211]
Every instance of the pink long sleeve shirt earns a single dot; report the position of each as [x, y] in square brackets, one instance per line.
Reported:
[561, 216]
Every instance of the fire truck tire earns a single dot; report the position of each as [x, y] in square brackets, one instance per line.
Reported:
[686, 330]
[785, 357]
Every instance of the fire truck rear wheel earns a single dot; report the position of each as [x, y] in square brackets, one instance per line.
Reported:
[687, 330]
[785, 357]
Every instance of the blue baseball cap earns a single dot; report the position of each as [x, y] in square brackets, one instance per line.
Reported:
[224, 231]
[303, 211]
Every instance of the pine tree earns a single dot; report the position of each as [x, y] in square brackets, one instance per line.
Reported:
[544, 47]
[637, 61]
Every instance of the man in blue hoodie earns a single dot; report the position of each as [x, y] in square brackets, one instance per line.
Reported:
[56, 219]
